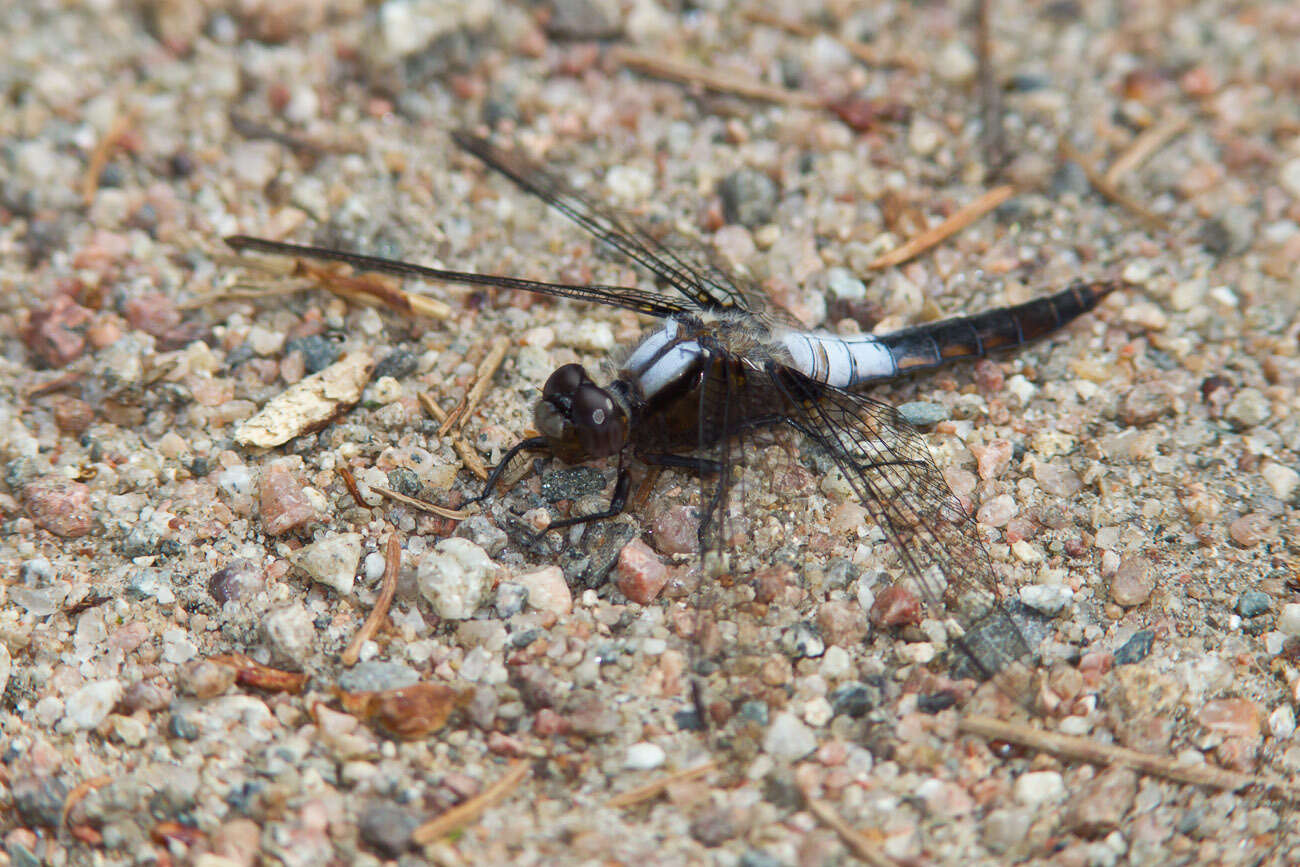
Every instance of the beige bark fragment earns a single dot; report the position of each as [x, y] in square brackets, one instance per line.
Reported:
[308, 404]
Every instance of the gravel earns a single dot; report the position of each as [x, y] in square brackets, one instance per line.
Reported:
[1133, 478]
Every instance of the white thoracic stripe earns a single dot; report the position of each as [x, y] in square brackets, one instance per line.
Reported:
[839, 361]
[668, 367]
[650, 347]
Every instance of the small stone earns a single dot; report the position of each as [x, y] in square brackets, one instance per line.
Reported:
[1102, 805]
[748, 197]
[54, 334]
[238, 579]
[1146, 402]
[289, 633]
[1132, 583]
[589, 715]
[205, 679]
[818, 711]
[377, 676]
[60, 506]
[318, 352]
[1288, 177]
[1288, 621]
[1056, 480]
[511, 598]
[1250, 529]
[997, 511]
[895, 606]
[1281, 723]
[922, 413]
[713, 826]
[802, 641]
[788, 739]
[88, 706]
[1253, 603]
[993, 458]
[641, 574]
[955, 62]
[644, 756]
[332, 561]
[843, 285]
[284, 503]
[38, 801]
[1281, 480]
[547, 590]
[1047, 599]
[1231, 717]
[1136, 648]
[583, 19]
[1248, 409]
[387, 828]
[454, 577]
[153, 313]
[1039, 787]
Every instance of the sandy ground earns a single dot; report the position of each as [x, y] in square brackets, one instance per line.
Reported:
[1135, 475]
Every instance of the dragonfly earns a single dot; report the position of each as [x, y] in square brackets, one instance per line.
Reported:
[723, 363]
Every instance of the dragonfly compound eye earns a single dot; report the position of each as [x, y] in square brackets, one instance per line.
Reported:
[564, 381]
[600, 423]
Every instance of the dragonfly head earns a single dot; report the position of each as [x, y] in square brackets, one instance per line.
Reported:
[579, 418]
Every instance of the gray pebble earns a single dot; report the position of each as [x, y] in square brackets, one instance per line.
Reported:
[1253, 603]
[39, 800]
[318, 352]
[748, 198]
[922, 413]
[387, 828]
[1136, 648]
[482, 532]
[377, 675]
[397, 364]
[511, 598]
[803, 641]
[289, 633]
[1248, 409]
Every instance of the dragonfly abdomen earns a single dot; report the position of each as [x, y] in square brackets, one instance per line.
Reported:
[937, 343]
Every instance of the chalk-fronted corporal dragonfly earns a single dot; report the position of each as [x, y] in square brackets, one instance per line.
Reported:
[724, 363]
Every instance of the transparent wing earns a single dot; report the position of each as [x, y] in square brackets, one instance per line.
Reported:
[890, 469]
[611, 296]
[697, 274]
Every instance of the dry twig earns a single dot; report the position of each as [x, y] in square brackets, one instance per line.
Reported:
[1149, 218]
[857, 842]
[120, 126]
[654, 787]
[458, 817]
[482, 380]
[954, 224]
[689, 73]
[375, 289]
[1144, 145]
[421, 505]
[350, 482]
[387, 588]
[1084, 750]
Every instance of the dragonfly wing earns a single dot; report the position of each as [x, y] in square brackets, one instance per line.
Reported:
[697, 275]
[889, 467]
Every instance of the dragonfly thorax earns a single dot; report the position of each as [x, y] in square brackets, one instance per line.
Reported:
[579, 418]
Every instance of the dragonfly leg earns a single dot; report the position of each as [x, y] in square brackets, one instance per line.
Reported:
[529, 445]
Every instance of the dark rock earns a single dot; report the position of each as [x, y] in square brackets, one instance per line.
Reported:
[748, 198]
[318, 352]
[1253, 603]
[387, 828]
[404, 481]
[571, 483]
[1136, 648]
[397, 364]
[39, 800]
[855, 698]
